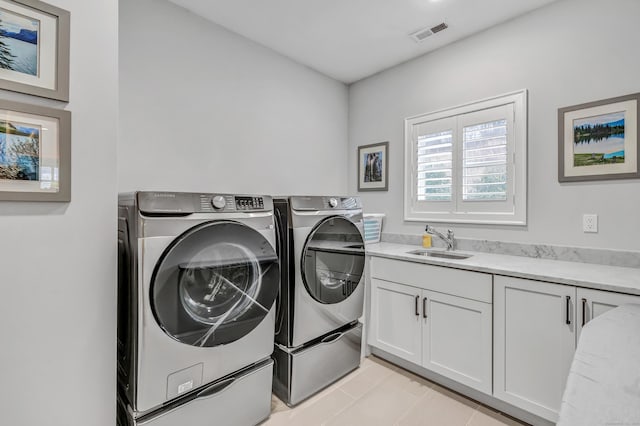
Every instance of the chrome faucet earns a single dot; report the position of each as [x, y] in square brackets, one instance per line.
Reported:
[449, 240]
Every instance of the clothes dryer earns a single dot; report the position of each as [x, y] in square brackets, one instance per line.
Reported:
[198, 280]
[321, 250]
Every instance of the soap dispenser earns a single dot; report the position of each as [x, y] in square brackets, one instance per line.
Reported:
[426, 238]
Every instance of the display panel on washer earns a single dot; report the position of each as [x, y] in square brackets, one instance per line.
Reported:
[214, 284]
[333, 260]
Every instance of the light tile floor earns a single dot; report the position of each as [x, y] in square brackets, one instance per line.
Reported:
[382, 394]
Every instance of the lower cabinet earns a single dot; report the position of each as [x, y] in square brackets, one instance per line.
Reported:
[456, 339]
[533, 343]
[445, 333]
[596, 302]
[395, 326]
[536, 329]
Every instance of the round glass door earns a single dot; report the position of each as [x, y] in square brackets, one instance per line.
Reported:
[214, 284]
[333, 260]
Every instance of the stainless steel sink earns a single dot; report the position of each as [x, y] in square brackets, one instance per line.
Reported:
[442, 254]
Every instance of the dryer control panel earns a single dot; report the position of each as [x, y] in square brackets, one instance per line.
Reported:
[316, 203]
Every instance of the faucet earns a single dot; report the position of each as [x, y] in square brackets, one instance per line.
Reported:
[448, 239]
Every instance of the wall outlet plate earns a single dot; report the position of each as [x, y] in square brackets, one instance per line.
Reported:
[590, 223]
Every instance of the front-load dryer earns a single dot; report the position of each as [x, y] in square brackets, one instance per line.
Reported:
[198, 280]
[321, 248]
[322, 258]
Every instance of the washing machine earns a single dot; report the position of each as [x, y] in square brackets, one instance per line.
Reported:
[198, 280]
[322, 258]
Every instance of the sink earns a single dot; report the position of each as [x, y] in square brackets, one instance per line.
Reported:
[442, 254]
[355, 246]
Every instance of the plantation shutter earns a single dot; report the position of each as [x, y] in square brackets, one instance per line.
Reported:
[484, 164]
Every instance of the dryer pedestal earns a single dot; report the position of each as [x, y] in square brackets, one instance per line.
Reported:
[303, 371]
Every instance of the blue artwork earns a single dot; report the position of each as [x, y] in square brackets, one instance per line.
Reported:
[19, 152]
[19, 42]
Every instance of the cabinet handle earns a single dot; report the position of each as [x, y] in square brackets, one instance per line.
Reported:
[424, 307]
[568, 320]
[417, 308]
[584, 311]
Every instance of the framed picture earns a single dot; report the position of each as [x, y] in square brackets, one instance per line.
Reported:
[599, 140]
[35, 153]
[373, 167]
[34, 49]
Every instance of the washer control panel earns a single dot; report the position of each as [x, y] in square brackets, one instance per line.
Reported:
[249, 203]
[183, 203]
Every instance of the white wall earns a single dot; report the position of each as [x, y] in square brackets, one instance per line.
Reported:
[203, 109]
[546, 52]
[58, 261]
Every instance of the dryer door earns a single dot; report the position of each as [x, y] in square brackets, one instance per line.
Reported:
[214, 284]
[333, 260]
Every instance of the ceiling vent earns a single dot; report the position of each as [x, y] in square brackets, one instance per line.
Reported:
[422, 34]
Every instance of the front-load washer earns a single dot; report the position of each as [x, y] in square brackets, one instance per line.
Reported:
[321, 249]
[198, 280]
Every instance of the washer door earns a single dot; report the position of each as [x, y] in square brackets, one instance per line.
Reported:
[214, 284]
[333, 260]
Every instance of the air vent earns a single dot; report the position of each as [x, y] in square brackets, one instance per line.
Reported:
[422, 34]
[439, 28]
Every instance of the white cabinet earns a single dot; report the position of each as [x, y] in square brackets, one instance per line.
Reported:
[395, 325]
[456, 339]
[534, 341]
[596, 302]
[535, 330]
[442, 330]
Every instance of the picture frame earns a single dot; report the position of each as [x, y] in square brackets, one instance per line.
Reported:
[35, 153]
[34, 49]
[599, 140]
[373, 167]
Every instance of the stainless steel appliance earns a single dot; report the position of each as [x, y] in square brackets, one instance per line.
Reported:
[198, 280]
[321, 251]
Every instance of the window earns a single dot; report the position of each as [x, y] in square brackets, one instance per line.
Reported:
[468, 164]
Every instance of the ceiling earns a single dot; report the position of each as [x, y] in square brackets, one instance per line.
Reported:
[351, 39]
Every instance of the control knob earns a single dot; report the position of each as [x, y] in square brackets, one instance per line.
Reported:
[333, 203]
[218, 202]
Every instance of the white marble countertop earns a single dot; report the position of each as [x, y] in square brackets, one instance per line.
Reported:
[603, 387]
[600, 277]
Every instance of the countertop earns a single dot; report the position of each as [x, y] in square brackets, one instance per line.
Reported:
[603, 387]
[599, 277]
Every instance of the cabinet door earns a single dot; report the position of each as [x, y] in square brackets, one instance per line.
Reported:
[534, 342]
[395, 319]
[456, 339]
[596, 302]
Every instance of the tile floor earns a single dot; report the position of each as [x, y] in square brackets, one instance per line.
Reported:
[380, 393]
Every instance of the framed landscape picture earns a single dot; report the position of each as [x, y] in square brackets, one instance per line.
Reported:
[35, 153]
[599, 140]
[373, 165]
[34, 49]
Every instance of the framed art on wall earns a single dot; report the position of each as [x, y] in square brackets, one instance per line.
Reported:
[34, 48]
[35, 153]
[373, 165]
[599, 140]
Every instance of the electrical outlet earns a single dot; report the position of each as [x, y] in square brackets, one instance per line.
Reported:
[590, 223]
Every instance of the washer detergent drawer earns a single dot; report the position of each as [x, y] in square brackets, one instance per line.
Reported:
[240, 399]
[301, 372]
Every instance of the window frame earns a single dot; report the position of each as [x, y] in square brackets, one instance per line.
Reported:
[457, 210]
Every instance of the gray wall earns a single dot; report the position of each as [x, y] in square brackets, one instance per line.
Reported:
[203, 109]
[58, 261]
[567, 53]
